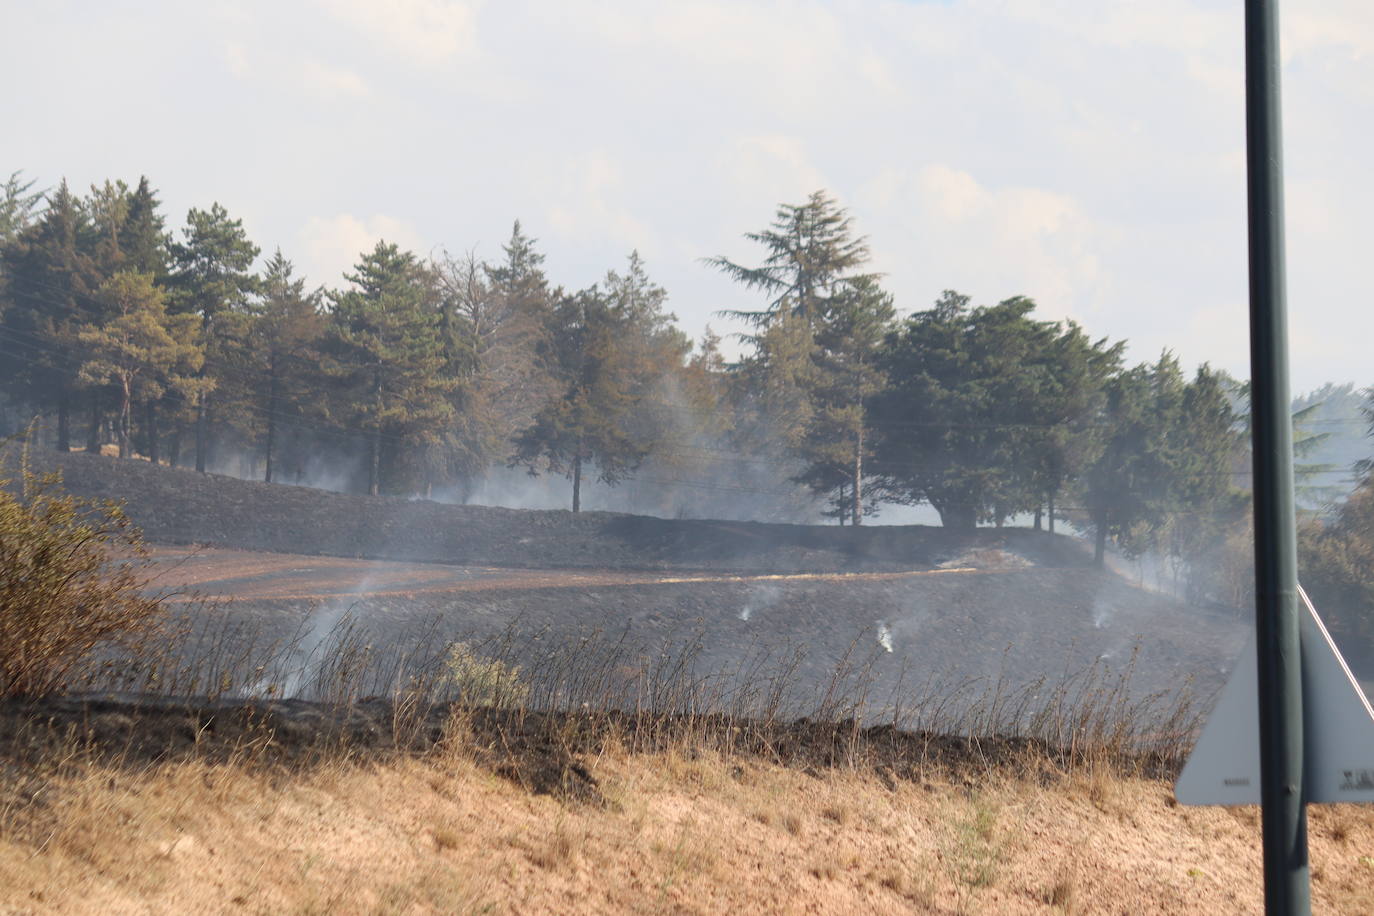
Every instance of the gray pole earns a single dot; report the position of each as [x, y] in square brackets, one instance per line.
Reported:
[1286, 886]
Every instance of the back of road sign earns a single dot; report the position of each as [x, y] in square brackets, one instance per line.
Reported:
[1338, 726]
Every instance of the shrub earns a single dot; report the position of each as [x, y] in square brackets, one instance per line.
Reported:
[485, 682]
[72, 585]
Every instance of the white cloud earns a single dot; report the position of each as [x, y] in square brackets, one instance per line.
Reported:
[330, 82]
[333, 245]
[940, 226]
[427, 32]
[590, 203]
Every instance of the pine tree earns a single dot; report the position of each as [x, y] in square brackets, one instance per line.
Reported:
[611, 346]
[1064, 435]
[957, 415]
[383, 346]
[212, 279]
[812, 258]
[141, 350]
[50, 275]
[824, 310]
[848, 376]
[285, 328]
[19, 204]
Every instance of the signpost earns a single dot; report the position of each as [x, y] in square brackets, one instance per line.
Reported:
[1292, 725]
[1282, 786]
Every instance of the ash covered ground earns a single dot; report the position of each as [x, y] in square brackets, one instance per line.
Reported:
[910, 610]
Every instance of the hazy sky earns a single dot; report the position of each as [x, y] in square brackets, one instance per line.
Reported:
[1089, 154]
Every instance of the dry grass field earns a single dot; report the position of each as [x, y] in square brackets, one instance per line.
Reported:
[681, 830]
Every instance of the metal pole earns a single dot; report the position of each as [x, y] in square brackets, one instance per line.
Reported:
[1286, 885]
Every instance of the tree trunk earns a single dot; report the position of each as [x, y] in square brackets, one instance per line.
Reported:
[150, 425]
[374, 464]
[125, 415]
[1053, 494]
[201, 411]
[64, 424]
[958, 518]
[1037, 518]
[857, 485]
[271, 417]
[93, 431]
[1100, 554]
[577, 484]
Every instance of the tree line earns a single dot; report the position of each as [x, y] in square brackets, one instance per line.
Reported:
[425, 373]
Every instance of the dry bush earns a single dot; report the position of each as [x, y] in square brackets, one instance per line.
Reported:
[73, 575]
[479, 681]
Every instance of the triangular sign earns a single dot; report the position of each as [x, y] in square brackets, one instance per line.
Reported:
[1338, 726]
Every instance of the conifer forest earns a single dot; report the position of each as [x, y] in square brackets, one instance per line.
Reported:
[425, 375]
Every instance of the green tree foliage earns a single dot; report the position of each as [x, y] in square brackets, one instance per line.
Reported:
[19, 204]
[51, 275]
[283, 334]
[812, 258]
[1062, 435]
[846, 378]
[140, 350]
[212, 279]
[1337, 564]
[1163, 480]
[611, 345]
[957, 420]
[383, 348]
[814, 344]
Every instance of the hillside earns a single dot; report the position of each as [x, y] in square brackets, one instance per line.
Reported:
[910, 610]
[178, 506]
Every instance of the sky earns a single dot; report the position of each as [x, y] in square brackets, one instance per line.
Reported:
[1086, 153]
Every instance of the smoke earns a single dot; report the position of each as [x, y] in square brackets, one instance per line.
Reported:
[761, 597]
[295, 674]
[884, 636]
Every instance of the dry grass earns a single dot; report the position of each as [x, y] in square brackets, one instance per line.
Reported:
[441, 834]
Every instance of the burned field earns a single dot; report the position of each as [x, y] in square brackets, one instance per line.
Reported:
[944, 632]
[882, 615]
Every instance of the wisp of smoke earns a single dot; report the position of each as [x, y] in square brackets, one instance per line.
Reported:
[761, 597]
[884, 636]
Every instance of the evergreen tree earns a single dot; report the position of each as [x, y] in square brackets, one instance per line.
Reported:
[822, 310]
[19, 205]
[611, 347]
[51, 276]
[838, 442]
[145, 240]
[956, 419]
[285, 329]
[1064, 435]
[141, 350]
[212, 279]
[383, 346]
[812, 258]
